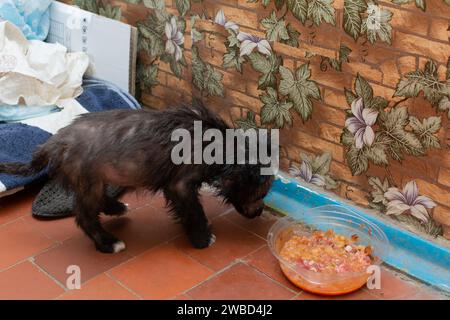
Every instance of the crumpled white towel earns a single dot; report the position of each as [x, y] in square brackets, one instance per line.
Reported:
[36, 73]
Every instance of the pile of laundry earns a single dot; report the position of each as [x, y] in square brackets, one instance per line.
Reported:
[43, 87]
[36, 77]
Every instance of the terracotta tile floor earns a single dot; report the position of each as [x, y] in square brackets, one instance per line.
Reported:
[159, 263]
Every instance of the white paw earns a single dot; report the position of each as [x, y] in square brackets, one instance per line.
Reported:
[119, 246]
[212, 240]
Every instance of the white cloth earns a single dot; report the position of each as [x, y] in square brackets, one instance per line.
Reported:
[55, 121]
[2, 187]
[36, 73]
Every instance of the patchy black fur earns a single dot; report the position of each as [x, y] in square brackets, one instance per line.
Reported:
[132, 148]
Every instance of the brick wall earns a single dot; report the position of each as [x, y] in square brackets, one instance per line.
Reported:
[417, 36]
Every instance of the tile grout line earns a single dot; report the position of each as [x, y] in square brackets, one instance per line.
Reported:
[154, 248]
[11, 221]
[218, 272]
[252, 252]
[268, 275]
[214, 275]
[92, 279]
[39, 231]
[48, 275]
[270, 278]
[421, 286]
[245, 229]
[296, 296]
[240, 227]
[15, 264]
[123, 285]
[232, 262]
[244, 258]
[187, 294]
[54, 245]
[408, 279]
[254, 267]
[377, 297]
[134, 257]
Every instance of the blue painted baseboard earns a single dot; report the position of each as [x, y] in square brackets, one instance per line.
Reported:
[417, 256]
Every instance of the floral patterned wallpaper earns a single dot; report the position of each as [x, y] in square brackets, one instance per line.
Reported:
[276, 63]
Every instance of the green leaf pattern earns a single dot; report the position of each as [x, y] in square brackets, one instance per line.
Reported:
[396, 134]
[300, 89]
[427, 81]
[204, 76]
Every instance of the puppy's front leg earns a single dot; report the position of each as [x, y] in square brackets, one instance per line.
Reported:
[113, 207]
[186, 206]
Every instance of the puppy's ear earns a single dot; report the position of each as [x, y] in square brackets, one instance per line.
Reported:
[197, 103]
[232, 176]
[227, 182]
[252, 171]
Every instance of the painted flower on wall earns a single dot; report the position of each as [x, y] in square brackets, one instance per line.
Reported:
[377, 24]
[315, 170]
[175, 39]
[250, 42]
[361, 124]
[399, 204]
[408, 200]
[374, 18]
[222, 20]
[365, 18]
[305, 172]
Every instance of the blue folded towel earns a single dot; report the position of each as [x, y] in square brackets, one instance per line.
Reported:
[31, 16]
[17, 144]
[97, 91]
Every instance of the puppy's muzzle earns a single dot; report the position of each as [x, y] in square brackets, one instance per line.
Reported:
[253, 212]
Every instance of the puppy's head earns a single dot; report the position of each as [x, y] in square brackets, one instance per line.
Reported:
[245, 188]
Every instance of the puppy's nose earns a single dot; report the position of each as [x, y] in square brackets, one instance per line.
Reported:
[259, 211]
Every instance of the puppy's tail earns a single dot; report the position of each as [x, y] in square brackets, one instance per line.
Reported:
[38, 163]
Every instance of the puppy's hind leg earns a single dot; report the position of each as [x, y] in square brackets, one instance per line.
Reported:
[87, 210]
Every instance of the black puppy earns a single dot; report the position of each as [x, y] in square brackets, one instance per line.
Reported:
[132, 148]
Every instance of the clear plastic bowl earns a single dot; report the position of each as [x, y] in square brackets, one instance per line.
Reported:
[342, 221]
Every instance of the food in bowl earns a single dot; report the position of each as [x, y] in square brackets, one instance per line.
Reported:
[325, 263]
[327, 252]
